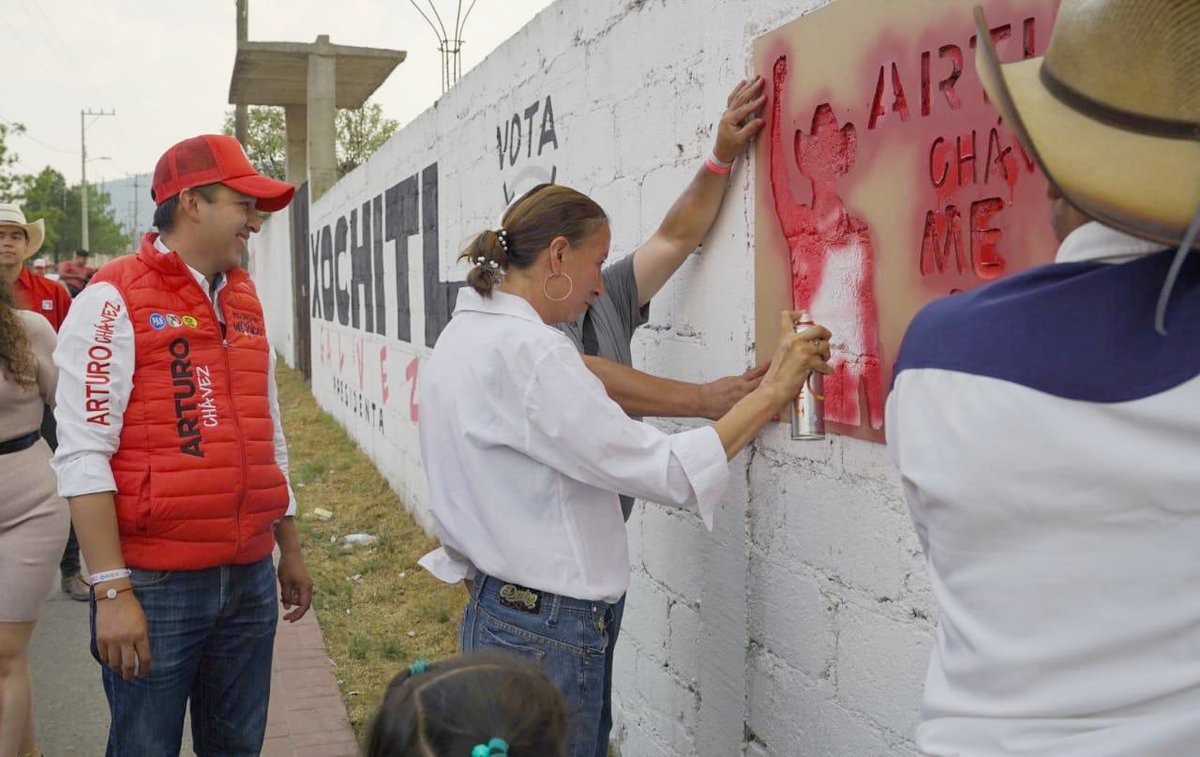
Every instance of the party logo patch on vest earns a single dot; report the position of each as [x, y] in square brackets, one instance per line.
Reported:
[248, 325]
[183, 379]
[157, 321]
[190, 321]
[174, 321]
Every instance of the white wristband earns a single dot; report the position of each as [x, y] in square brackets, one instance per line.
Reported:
[109, 575]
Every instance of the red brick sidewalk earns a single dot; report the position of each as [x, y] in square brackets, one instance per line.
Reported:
[306, 717]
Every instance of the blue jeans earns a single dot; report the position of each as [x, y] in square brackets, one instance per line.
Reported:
[212, 635]
[568, 638]
[606, 721]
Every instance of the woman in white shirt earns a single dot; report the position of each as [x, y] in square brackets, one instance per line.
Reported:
[525, 453]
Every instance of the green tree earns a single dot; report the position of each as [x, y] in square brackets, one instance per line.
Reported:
[266, 139]
[47, 196]
[9, 180]
[359, 134]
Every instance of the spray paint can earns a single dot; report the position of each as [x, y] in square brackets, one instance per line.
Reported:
[808, 409]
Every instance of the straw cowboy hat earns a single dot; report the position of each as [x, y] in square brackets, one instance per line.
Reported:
[12, 215]
[1111, 113]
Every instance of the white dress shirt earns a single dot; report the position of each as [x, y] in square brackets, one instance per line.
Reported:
[84, 449]
[525, 455]
[1059, 507]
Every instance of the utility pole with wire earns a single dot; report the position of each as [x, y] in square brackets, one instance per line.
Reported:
[136, 232]
[83, 185]
[241, 118]
[449, 46]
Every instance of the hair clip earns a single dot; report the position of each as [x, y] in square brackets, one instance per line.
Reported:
[494, 748]
[502, 233]
[418, 667]
[483, 262]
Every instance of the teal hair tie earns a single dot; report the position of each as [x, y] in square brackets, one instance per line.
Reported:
[417, 668]
[494, 748]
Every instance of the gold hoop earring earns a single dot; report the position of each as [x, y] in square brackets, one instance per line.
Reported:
[546, 283]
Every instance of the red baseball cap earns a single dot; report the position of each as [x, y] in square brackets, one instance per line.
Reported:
[216, 159]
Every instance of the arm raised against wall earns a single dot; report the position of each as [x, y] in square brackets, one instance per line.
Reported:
[641, 394]
[690, 218]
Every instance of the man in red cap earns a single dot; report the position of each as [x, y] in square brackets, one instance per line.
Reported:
[172, 456]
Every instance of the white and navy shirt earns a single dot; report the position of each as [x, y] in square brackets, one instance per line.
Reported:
[1048, 441]
[525, 455]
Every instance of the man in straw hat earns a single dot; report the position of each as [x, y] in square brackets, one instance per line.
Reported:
[19, 241]
[1047, 426]
[172, 456]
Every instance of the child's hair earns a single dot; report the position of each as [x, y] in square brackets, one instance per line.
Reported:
[448, 708]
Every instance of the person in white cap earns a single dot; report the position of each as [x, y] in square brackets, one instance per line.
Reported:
[1047, 426]
[172, 456]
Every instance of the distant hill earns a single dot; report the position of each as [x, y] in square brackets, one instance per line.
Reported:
[122, 193]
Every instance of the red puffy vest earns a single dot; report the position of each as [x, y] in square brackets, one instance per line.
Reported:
[197, 481]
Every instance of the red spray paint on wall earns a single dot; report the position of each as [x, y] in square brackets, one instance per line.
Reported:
[832, 263]
[383, 375]
[886, 179]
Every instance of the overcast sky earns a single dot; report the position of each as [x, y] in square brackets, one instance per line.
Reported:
[165, 66]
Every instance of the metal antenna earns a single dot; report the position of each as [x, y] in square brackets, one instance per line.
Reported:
[450, 46]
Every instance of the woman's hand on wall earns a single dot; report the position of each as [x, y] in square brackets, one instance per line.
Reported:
[742, 121]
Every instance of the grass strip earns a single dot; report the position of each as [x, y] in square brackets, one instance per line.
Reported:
[379, 612]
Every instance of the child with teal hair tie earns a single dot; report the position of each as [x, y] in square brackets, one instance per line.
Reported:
[482, 705]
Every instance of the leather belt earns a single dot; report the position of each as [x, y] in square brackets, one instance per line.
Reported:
[19, 443]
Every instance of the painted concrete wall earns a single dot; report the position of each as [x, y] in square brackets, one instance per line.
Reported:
[271, 268]
[802, 624]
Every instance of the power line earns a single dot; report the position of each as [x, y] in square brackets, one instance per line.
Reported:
[48, 26]
[32, 54]
[29, 136]
[72, 65]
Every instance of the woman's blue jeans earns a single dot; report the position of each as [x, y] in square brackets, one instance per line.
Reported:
[212, 635]
[569, 640]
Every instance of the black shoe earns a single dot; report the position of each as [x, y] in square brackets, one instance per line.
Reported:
[76, 588]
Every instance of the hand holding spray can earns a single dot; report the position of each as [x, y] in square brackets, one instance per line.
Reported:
[808, 409]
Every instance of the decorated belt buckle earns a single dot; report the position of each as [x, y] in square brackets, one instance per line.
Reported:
[520, 598]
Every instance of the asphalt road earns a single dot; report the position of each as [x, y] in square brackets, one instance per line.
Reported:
[68, 698]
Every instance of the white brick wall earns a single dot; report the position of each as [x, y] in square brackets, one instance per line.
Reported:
[801, 625]
[271, 269]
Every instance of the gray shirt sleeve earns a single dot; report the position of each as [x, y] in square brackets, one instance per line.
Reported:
[621, 286]
[615, 315]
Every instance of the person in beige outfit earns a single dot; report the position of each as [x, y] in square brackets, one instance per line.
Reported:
[34, 520]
